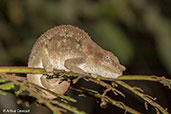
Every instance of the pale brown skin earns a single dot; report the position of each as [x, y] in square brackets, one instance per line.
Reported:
[69, 48]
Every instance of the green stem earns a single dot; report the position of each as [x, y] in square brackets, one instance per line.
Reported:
[33, 90]
[133, 77]
[118, 80]
[22, 69]
[163, 80]
[68, 107]
[143, 96]
[107, 99]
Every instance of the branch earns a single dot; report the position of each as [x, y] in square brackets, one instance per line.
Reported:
[31, 89]
[34, 90]
[107, 86]
[107, 99]
[162, 80]
[68, 107]
[147, 98]
[98, 79]
[22, 69]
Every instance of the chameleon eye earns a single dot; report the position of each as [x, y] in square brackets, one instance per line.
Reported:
[107, 58]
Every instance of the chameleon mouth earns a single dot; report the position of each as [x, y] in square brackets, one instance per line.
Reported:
[110, 75]
[122, 68]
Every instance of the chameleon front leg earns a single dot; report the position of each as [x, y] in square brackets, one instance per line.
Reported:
[46, 61]
[47, 64]
[73, 65]
[57, 85]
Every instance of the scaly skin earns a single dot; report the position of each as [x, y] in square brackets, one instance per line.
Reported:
[70, 48]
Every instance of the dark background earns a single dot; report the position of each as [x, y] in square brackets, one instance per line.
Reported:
[138, 32]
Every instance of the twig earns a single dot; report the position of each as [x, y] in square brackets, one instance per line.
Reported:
[103, 102]
[108, 86]
[143, 96]
[22, 69]
[106, 99]
[32, 89]
[98, 79]
[68, 107]
[163, 80]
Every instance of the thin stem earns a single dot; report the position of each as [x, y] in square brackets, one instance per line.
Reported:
[106, 99]
[143, 96]
[33, 91]
[163, 80]
[22, 69]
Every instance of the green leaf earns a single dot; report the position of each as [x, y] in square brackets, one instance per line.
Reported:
[54, 112]
[27, 104]
[3, 80]
[2, 93]
[7, 86]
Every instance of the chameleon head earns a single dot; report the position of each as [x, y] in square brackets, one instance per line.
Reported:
[105, 64]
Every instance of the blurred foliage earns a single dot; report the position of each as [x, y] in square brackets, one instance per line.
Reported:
[118, 26]
[137, 31]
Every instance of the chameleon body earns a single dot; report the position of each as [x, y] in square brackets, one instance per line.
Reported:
[69, 48]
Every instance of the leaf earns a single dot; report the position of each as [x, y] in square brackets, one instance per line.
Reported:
[54, 112]
[2, 93]
[7, 86]
[27, 104]
[3, 80]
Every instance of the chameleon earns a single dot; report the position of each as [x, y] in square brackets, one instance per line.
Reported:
[70, 48]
